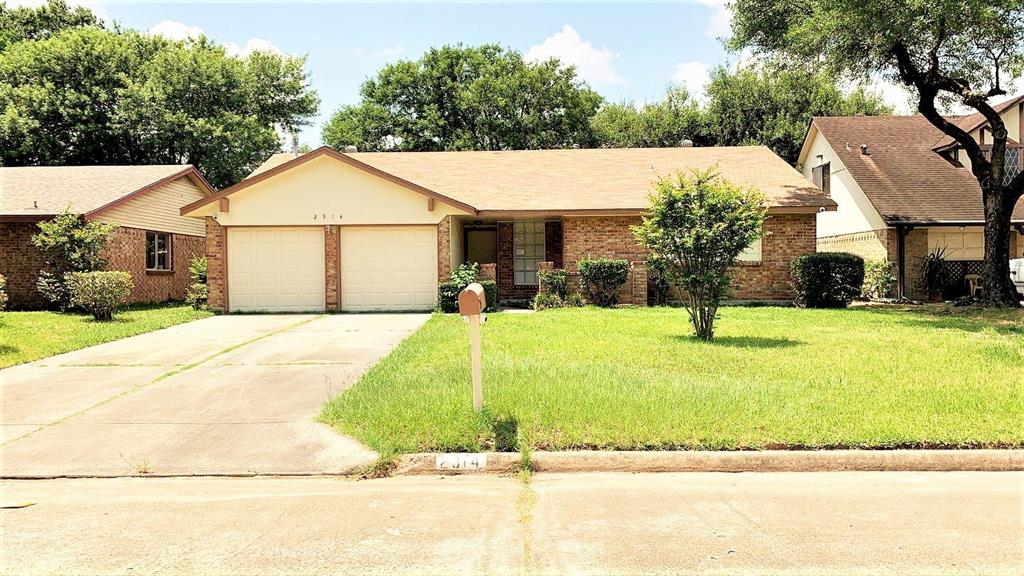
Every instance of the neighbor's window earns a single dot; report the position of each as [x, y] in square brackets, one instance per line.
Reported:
[158, 251]
[822, 177]
[752, 253]
[528, 247]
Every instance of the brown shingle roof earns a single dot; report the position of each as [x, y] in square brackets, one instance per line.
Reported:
[46, 190]
[582, 179]
[972, 122]
[902, 176]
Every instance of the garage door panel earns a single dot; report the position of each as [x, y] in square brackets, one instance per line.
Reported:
[276, 269]
[389, 268]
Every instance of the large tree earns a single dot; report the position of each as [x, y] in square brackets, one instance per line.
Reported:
[87, 95]
[28, 23]
[665, 123]
[468, 98]
[771, 105]
[943, 51]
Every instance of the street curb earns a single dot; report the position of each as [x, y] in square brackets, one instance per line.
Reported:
[735, 461]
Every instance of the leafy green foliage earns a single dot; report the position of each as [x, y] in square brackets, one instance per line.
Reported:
[935, 271]
[772, 106]
[28, 23]
[3, 293]
[827, 279]
[545, 300]
[553, 282]
[698, 224]
[601, 279]
[87, 95]
[99, 293]
[658, 282]
[69, 243]
[467, 98]
[666, 123]
[464, 275]
[575, 300]
[879, 278]
[198, 291]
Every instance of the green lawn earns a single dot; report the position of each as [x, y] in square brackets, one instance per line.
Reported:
[633, 379]
[27, 336]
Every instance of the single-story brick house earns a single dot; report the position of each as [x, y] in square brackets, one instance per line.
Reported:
[153, 242]
[904, 188]
[378, 231]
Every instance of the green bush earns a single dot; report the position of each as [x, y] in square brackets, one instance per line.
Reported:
[3, 293]
[99, 293]
[827, 279]
[879, 278]
[466, 273]
[658, 283]
[554, 282]
[197, 290]
[448, 294]
[545, 300]
[69, 243]
[602, 279]
[575, 300]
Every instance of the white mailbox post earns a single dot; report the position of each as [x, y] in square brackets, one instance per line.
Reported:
[472, 302]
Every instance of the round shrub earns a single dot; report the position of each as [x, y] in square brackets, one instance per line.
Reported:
[545, 300]
[879, 278]
[99, 293]
[575, 300]
[602, 279]
[554, 282]
[827, 279]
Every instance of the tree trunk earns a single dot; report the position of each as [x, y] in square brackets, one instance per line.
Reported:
[997, 287]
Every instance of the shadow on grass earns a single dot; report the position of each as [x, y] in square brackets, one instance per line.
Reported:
[505, 429]
[946, 317]
[741, 341]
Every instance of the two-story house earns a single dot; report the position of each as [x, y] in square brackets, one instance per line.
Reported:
[904, 188]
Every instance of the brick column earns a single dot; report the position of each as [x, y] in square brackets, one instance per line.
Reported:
[217, 270]
[444, 249]
[332, 265]
[488, 272]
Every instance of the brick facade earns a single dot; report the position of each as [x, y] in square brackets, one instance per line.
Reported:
[217, 271]
[20, 263]
[786, 237]
[444, 249]
[332, 266]
[127, 252]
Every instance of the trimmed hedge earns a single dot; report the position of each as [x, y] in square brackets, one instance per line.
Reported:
[827, 279]
[99, 293]
[448, 295]
[602, 278]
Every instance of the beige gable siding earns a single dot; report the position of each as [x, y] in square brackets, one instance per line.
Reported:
[159, 210]
[855, 212]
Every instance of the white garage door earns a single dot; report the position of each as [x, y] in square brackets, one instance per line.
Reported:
[276, 269]
[389, 268]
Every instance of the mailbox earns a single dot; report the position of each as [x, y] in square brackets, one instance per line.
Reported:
[472, 300]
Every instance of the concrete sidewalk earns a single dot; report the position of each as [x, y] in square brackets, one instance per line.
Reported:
[602, 523]
[223, 395]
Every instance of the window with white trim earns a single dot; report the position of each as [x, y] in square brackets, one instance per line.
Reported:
[158, 251]
[528, 250]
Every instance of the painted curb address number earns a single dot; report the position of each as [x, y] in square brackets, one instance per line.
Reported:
[461, 461]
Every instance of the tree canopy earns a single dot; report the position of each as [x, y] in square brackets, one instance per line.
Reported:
[87, 95]
[468, 98]
[666, 123]
[953, 52]
[27, 23]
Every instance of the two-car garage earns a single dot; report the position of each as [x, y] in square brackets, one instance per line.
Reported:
[282, 269]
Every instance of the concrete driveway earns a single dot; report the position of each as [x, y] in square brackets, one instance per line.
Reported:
[223, 395]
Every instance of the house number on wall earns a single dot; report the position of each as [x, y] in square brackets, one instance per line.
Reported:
[324, 217]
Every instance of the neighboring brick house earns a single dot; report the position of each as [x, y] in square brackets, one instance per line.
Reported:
[904, 188]
[153, 241]
[378, 231]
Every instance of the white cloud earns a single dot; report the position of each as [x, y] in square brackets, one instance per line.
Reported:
[720, 23]
[592, 64]
[174, 30]
[252, 45]
[694, 75]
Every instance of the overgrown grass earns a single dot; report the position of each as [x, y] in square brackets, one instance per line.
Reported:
[634, 379]
[27, 336]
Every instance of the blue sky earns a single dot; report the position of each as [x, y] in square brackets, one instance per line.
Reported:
[625, 51]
